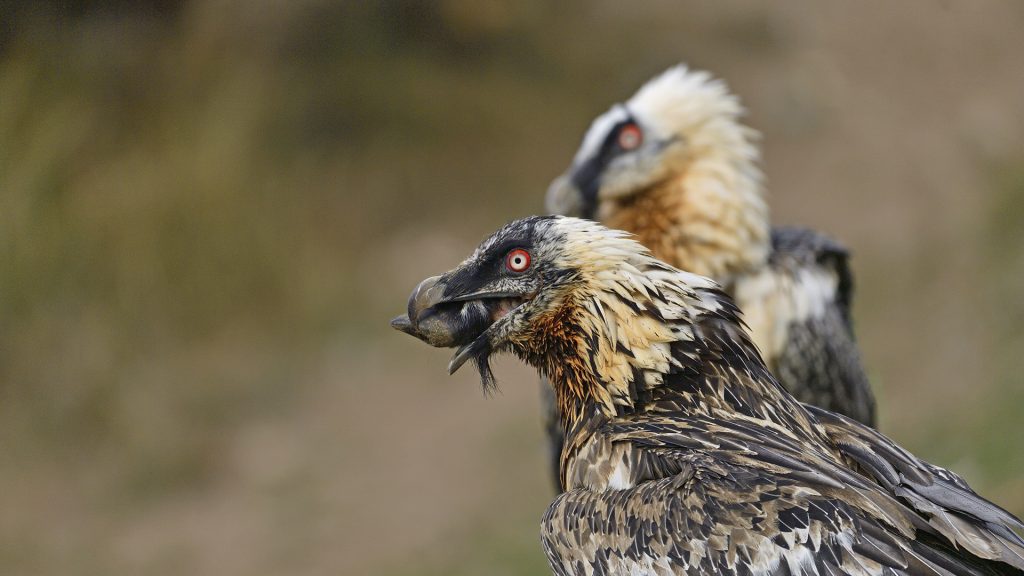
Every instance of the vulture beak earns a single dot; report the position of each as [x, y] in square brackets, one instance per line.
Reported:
[403, 324]
[586, 181]
[575, 192]
[428, 318]
[446, 320]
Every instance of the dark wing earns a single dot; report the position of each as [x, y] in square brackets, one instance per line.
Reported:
[751, 499]
[715, 518]
[819, 362]
[553, 431]
[938, 495]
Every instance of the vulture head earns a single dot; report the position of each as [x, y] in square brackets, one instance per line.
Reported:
[588, 306]
[675, 166]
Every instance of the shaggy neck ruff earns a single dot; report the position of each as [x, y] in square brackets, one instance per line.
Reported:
[691, 223]
[640, 337]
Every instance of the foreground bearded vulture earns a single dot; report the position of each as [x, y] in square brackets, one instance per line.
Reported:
[675, 166]
[683, 454]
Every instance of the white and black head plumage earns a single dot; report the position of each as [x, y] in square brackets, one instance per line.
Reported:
[576, 267]
[679, 115]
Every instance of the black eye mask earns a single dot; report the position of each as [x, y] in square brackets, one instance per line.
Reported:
[587, 178]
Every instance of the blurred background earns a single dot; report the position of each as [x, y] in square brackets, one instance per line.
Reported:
[209, 211]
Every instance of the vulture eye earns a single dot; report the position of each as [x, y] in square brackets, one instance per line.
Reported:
[630, 137]
[517, 260]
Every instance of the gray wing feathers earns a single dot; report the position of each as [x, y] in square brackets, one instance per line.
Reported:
[820, 363]
[943, 498]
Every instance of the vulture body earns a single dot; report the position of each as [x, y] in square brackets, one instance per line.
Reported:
[675, 167]
[683, 453]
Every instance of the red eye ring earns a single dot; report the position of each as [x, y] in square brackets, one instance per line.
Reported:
[630, 137]
[517, 260]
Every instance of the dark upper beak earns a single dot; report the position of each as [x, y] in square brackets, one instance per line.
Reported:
[564, 198]
[440, 319]
[423, 319]
[403, 324]
[575, 192]
[425, 296]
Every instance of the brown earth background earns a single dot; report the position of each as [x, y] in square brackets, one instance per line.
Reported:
[209, 211]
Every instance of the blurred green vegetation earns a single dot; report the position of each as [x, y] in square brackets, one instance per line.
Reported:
[209, 210]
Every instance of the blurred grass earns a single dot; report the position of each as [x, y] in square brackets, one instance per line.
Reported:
[209, 211]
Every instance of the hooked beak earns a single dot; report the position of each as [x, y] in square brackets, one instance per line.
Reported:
[564, 198]
[448, 320]
[575, 192]
[428, 318]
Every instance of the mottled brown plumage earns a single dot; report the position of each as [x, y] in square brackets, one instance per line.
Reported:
[692, 193]
[683, 455]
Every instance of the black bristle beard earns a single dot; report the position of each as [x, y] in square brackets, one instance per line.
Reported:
[481, 351]
[483, 365]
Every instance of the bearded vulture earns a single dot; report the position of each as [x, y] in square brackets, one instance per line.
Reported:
[683, 454]
[675, 167]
